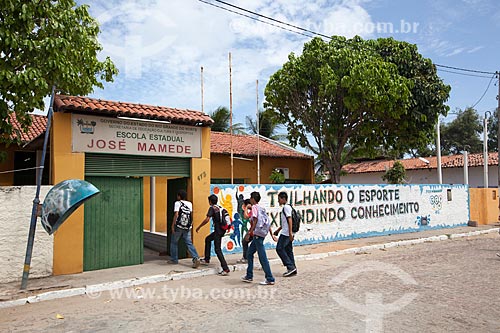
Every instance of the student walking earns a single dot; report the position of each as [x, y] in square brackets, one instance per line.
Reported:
[247, 214]
[284, 248]
[181, 227]
[214, 212]
[260, 227]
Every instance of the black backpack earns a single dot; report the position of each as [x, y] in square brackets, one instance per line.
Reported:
[295, 220]
[225, 219]
[184, 217]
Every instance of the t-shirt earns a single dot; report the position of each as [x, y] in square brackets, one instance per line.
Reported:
[214, 213]
[285, 214]
[177, 205]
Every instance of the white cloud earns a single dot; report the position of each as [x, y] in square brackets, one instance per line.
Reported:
[159, 47]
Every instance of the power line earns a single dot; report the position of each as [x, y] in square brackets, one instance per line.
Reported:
[488, 87]
[465, 69]
[273, 19]
[254, 18]
[465, 74]
[313, 32]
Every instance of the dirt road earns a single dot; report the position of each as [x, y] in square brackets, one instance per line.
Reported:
[434, 287]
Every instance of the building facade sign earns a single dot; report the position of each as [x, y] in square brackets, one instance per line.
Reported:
[129, 137]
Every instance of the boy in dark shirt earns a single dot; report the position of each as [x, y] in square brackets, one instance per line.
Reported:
[214, 212]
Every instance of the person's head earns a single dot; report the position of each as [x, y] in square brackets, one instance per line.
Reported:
[247, 202]
[212, 199]
[254, 198]
[182, 195]
[282, 198]
[236, 216]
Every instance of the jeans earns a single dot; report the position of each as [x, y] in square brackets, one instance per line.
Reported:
[214, 236]
[257, 245]
[174, 249]
[284, 248]
[244, 244]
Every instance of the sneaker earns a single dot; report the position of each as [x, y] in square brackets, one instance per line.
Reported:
[172, 262]
[196, 263]
[244, 278]
[241, 261]
[204, 262]
[290, 272]
[267, 283]
[223, 273]
[498, 254]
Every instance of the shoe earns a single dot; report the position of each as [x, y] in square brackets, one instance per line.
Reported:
[172, 262]
[204, 262]
[241, 261]
[244, 278]
[196, 263]
[267, 283]
[223, 273]
[498, 254]
[290, 272]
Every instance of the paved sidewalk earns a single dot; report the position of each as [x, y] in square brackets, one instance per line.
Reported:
[155, 268]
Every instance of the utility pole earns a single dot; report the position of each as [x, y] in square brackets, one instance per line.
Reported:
[438, 150]
[498, 140]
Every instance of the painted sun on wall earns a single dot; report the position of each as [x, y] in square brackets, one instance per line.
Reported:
[339, 212]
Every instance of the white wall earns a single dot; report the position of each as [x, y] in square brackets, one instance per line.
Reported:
[337, 212]
[16, 203]
[429, 176]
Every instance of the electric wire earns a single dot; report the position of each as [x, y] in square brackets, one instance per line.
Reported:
[488, 87]
[314, 32]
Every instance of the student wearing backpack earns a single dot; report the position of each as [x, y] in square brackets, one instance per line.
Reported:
[216, 213]
[260, 226]
[284, 248]
[246, 209]
[181, 227]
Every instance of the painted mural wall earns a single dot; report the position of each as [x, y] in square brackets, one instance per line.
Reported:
[339, 212]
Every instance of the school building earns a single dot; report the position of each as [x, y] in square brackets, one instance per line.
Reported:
[138, 156]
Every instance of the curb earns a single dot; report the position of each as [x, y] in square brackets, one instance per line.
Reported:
[95, 290]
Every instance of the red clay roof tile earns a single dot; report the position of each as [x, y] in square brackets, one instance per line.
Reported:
[63, 103]
[246, 145]
[38, 126]
[451, 161]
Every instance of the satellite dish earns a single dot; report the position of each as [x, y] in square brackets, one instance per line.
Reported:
[62, 200]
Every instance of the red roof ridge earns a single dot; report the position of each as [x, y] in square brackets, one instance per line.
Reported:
[89, 105]
[447, 161]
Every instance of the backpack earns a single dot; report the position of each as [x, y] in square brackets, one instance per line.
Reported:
[185, 217]
[263, 223]
[225, 219]
[295, 220]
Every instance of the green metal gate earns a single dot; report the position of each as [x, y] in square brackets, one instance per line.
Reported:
[113, 224]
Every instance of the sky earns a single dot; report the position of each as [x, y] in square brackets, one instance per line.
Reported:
[160, 46]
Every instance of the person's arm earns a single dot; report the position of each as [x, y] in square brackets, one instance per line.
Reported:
[272, 234]
[253, 222]
[276, 233]
[176, 214]
[289, 220]
[205, 221]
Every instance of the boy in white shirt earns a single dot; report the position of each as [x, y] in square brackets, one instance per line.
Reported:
[284, 248]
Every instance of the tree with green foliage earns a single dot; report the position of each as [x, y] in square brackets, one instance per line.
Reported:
[46, 43]
[222, 119]
[268, 126]
[462, 133]
[396, 174]
[365, 95]
[493, 132]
